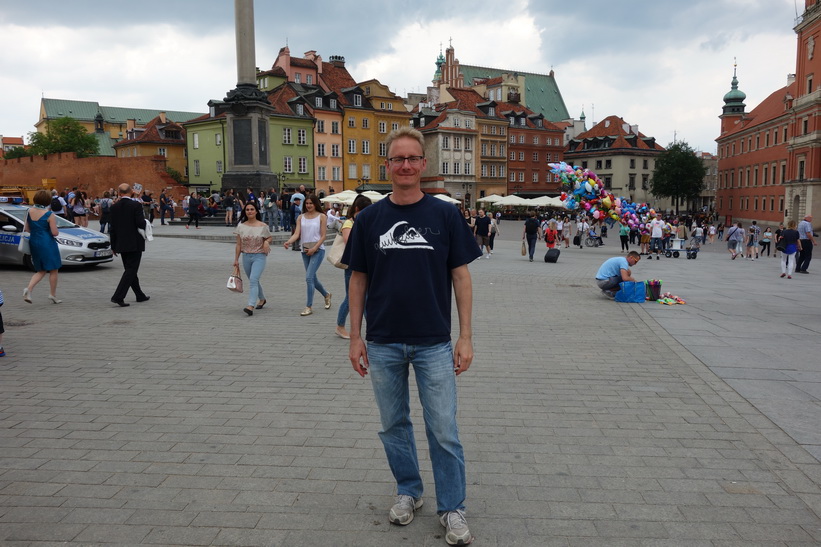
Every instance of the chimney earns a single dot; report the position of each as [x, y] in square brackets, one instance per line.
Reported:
[338, 61]
[790, 79]
[634, 129]
[130, 124]
[162, 117]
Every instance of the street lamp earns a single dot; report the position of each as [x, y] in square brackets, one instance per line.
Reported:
[361, 182]
[281, 181]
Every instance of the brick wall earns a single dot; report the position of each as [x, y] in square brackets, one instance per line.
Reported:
[92, 175]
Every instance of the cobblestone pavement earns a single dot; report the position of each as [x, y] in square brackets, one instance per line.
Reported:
[180, 421]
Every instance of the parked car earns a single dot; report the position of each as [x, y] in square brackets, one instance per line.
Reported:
[78, 246]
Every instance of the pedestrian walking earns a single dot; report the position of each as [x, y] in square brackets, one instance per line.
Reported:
[310, 228]
[358, 204]
[254, 244]
[807, 243]
[791, 243]
[41, 223]
[126, 221]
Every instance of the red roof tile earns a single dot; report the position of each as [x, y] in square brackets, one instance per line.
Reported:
[153, 133]
[770, 108]
[614, 126]
[335, 78]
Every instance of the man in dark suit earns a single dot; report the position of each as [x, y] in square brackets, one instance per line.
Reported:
[126, 218]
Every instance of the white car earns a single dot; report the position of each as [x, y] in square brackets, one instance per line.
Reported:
[78, 246]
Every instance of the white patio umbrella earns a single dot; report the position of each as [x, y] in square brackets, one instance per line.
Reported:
[346, 197]
[375, 196]
[492, 198]
[513, 201]
[447, 198]
[546, 201]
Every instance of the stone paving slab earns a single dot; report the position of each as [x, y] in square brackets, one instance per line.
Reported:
[180, 421]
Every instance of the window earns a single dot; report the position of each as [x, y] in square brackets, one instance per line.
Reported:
[484, 170]
[352, 171]
[336, 173]
[608, 164]
[445, 166]
[335, 128]
[445, 142]
[366, 147]
[766, 139]
[468, 124]
[801, 164]
[300, 110]
[493, 130]
[288, 164]
[484, 149]
[535, 177]
[598, 165]
[196, 140]
[584, 165]
[383, 127]
[366, 123]
[502, 131]
[320, 173]
[755, 178]
[366, 171]
[457, 143]
[286, 135]
[632, 163]
[351, 146]
[383, 149]
[521, 176]
[513, 139]
[334, 150]
[513, 156]
[383, 172]
[320, 126]
[772, 203]
[467, 168]
[493, 149]
[318, 102]
[394, 126]
[456, 122]
[357, 100]
[309, 79]
[644, 164]
[785, 134]
[521, 156]
[468, 142]
[320, 149]
[332, 103]
[303, 164]
[512, 120]
[197, 168]
[491, 112]
[645, 182]
[536, 140]
[535, 156]
[631, 185]
[456, 167]
[390, 106]
[523, 122]
[502, 171]
[755, 204]
[301, 137]
[512, 176]
[351, 122]
[493, 170]
[162, 151]
[805, 126]
[218, 139]
[298, 77]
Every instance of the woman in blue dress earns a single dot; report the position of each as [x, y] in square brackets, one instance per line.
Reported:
[45, 255]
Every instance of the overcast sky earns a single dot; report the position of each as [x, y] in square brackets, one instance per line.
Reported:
[662, 64]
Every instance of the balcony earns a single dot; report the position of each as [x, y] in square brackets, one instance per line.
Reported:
[807, 99]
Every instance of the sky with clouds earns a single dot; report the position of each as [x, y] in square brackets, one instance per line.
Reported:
[662, 64]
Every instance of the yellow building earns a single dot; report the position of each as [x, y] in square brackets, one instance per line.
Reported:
[159, 137]
[389, 114]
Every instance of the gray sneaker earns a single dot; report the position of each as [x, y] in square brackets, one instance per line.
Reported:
[402, 511]
[456, 526]
[608, 294]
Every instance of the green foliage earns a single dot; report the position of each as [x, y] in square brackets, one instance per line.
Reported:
[174, 174]
[679, 174]
[63, 135]
[18, 152]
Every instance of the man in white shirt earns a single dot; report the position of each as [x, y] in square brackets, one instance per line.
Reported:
[582, 227]
[656, 232]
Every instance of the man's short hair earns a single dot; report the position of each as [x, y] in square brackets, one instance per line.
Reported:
[124, 189]
[634, 254]
[405, 131]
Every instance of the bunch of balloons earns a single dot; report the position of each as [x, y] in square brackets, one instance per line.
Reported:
[582, 189]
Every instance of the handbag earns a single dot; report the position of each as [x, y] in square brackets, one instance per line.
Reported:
[524, 248]
[334, 256]
[1, 298]
[631, 291]
[23, 245]
[235, 281]
[781, 246]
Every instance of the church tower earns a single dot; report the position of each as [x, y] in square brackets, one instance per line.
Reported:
[734, 105]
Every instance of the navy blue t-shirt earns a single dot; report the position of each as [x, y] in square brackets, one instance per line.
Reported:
[408, 252]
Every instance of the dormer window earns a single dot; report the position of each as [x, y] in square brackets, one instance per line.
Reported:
[309, 79]
[539, 123]
[491, 111]
[318, 102]
[333, 104]
[297, 77]
[512, 120]
[300, 110]
[523, 122]
[357, 100]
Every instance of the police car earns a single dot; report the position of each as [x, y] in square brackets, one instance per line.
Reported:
[78, 246]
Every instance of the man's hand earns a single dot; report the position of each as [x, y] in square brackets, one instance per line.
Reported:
[358, 354]
[462, 355]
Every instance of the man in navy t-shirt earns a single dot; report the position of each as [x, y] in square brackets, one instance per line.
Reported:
[408, 254]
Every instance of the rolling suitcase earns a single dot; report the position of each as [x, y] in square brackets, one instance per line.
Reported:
[577, 241]
[552, 255]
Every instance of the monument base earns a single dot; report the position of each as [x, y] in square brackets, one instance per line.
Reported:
[256, 181]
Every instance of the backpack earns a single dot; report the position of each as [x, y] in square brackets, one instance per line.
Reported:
[56, 206]
[105, 205]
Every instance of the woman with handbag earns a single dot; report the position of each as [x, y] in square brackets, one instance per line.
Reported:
[254, 243]
[310, 228]
[789, 244]
[358, 204]
[45, 255]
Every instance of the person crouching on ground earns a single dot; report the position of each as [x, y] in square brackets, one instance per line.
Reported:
[615, 270]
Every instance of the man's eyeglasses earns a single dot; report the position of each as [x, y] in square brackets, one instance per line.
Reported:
[413, 160]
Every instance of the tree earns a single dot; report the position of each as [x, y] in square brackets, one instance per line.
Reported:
[679, 173]
[63, 135]
[17, 152]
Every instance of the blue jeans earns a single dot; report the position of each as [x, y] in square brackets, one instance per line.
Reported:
[254, 265]
[312, 264]
[166, 209]
[343, 308]
[531, 244]
[436, 382]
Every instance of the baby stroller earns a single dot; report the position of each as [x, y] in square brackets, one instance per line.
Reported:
[693, 247]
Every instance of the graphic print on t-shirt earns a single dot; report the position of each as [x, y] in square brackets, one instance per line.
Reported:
[403, 236]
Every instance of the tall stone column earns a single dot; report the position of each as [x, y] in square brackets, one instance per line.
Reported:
[247, 112]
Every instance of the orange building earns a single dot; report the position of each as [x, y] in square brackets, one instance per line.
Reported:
[159, 137]
[769, 166]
